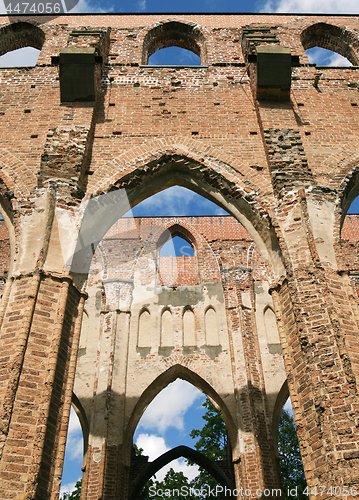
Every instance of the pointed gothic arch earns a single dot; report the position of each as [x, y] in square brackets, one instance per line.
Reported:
[176, 230]
[169, 456]
[343, 180]
[170, 375]
[160, 169]
[81, 414]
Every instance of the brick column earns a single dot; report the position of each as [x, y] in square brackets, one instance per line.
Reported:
[316, 311]
[317, 315]
[105, 475]
[37, 340]
[258, 468]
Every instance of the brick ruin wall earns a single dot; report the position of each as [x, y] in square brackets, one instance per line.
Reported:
[277, 149]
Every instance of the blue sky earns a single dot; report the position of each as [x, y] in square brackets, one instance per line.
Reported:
[146, 6]
[319, 6]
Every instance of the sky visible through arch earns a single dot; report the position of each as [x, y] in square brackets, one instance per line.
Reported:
[177, 409]
[156, 431]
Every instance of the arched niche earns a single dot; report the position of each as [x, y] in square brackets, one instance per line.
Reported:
[144, 329]
[166, 329]
[174, 34]
[113, 200]
[335, 38]
[189, 328]
[18, 35]
[271, 328]
[350, 191]
[211, 326]
[170, 375]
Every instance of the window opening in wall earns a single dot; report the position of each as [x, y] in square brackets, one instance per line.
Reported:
[324, 57]
[26, 56]
[177, 247]
[174, 56]
[180, 415]
[177, 262]
[72, 472]
[289, 456]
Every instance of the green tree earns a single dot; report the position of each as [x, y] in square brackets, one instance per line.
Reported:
[174, 485]
[291, 465]
[212, 443]
[212, 440]
[75, 494]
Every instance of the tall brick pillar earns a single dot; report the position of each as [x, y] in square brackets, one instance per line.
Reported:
[317, 314]
[106, 475]
[43, 307]
[257, 470]
[38, 338]
[318, 322]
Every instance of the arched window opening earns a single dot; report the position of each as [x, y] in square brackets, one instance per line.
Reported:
[178, 407]
[20, 44]
[23, 57]
[176, 36]
[177, 262]
[350, 239]
[324, 57]
[74, 452]
[177, 247]
[174, 56]
[290, 459]
[354, 207]
[166, 423]
[338, 42]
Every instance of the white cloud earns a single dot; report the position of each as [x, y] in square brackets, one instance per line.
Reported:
[154, 446]
[288, 407]
[338, 60]
[311, 6]
[324, 57]
[68, 488]
[141, 5]
[74, 444]
[27, 56]
[86, 7]
[169, 406]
